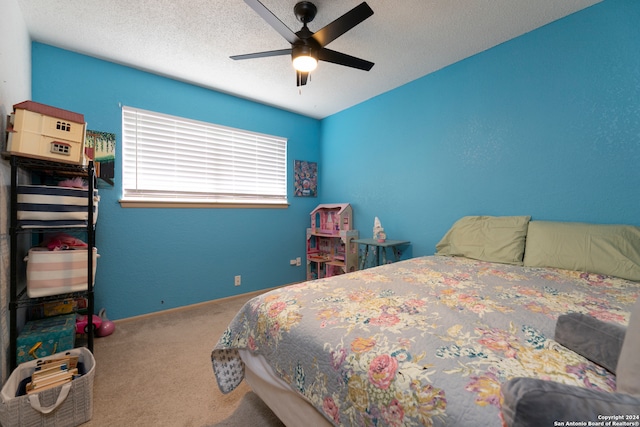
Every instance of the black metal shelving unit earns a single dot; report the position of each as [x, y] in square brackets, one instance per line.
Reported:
[17, 291]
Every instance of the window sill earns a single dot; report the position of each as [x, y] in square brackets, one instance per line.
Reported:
[195, 205]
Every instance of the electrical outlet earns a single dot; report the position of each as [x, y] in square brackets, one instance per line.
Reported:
[292, 262]
[238, 280]
[298, 262]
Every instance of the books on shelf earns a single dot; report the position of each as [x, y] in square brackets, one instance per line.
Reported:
[53, 373]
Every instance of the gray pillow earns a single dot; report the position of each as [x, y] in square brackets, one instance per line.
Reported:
[529, 402]
[628, 369]
[594, 339]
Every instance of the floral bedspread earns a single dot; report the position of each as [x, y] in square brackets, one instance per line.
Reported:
[421, 342]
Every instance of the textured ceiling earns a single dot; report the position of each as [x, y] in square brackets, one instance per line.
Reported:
[191, 41]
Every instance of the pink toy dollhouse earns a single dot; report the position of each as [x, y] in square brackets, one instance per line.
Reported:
[331, 219]
[330, 250]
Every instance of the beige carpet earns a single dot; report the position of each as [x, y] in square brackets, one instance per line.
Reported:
[156, 371]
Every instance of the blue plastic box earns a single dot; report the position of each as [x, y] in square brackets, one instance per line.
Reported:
[44, 337]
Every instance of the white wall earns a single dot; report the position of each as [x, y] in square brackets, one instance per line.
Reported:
[15, 86]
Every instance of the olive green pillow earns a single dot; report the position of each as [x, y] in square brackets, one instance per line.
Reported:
[613, 250]
[486, 238]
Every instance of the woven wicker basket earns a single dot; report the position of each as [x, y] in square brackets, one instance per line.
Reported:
[67, 405]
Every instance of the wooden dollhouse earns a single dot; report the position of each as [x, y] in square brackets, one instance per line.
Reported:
[330, 250]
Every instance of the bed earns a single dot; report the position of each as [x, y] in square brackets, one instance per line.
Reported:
[428, 341]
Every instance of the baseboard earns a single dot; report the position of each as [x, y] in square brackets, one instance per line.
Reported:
[199, 304]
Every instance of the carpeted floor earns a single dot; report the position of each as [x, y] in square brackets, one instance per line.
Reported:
[156, 371]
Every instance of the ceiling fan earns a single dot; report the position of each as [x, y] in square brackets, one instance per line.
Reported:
[307, 48]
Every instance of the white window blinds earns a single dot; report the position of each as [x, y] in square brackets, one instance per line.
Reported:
[172, 159]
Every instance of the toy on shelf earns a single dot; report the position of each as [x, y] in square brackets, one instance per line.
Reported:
[330, 250]
[82, 323]
[44, 132]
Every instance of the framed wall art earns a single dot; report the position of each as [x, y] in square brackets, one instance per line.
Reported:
[305, 179]
[101, 148]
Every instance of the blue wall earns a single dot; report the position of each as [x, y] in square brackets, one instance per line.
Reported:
[154, 259]
[547, 124]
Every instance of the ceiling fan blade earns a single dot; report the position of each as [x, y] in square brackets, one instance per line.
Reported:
[262, 54]
[301, 78]
[273, 20]
[343, 24]
[329, 55]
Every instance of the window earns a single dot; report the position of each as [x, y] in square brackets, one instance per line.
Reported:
[63, 126]
[170, 159]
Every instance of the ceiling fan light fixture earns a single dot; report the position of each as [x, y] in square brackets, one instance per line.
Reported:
[305, 63]
[304, 60]
[308, 47]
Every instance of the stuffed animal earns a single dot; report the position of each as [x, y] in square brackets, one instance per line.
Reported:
[529, 402]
